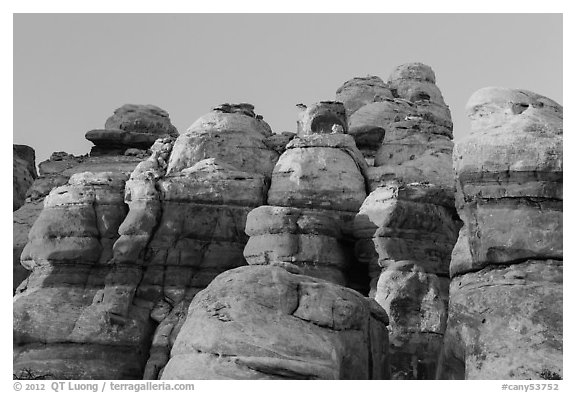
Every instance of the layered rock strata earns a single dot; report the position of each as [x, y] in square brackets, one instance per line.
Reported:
[55, 172]
[317, 187]
[406, 234]
[60, 329]
[262, 322]
[407, 226]
[505, 317]
[184, 225]
[131, 126]
[402, 125]
[115, 151]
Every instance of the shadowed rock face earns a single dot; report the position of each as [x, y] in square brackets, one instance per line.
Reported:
[262, 322]
[406, 234]
[407, 226]
[506, 291]
[325, 117]
[23, 173]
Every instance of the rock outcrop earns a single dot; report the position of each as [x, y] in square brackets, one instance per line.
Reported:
[116, 153]
[131, 126]
[53, 173]
[317, 187]
[402, 125]
[323, 117]
[505, 317]
[407, 226]
[23, 173]
[262, 322]
[347, 250]
[58, 330]
[176, 223]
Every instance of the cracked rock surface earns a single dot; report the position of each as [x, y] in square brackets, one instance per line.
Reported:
[506, 268]
[262, 322]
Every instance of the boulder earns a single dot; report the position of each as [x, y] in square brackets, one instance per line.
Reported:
[262, 322]
[506, 323]
[131, 126]
[230, 133]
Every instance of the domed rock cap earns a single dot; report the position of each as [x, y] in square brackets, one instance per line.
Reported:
[414, 71]
[492, 106]
[360, 91]
[133, 126]
[231, 118]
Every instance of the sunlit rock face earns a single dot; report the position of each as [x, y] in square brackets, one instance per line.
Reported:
[234, 134]
[131, 126]
[317, 186]
[506, 292]
[162, 234]
[273, 324]
[398, 119]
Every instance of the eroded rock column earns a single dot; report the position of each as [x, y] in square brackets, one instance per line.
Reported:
[263, 322]
[407, 226]
[217, 172]
[505, 317]
[317, 187]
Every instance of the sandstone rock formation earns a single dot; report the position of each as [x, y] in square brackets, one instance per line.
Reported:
[23, 173]
[142, 122]
[317, 187]
[55, 172]
[406, 227]
[182, 224]
[56, 331]
[231, 252]
[505, 317]
[234, 134]
[321, 117]
[403, 122]
[131, 126]
[262, 322]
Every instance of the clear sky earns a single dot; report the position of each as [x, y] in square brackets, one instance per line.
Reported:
[72, 70]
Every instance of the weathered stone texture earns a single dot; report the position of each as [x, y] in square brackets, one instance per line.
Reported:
[262, 322]
[23, 173]
[407, 226]
[506, 293]
[131, 126]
